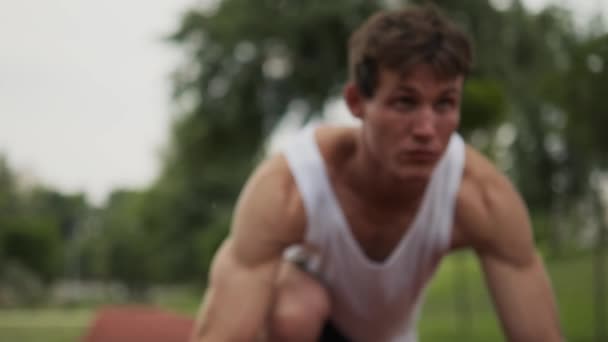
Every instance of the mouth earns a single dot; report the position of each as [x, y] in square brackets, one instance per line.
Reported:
[419, 156]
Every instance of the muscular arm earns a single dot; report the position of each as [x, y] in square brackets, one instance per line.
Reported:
[524, 299]
[500, 230]
[267, 219]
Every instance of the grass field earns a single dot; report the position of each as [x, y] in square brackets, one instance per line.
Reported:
[44, 325]
[471, 317]
[446, 316]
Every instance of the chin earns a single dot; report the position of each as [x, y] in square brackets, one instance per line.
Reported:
[414, 173]
[415, 176]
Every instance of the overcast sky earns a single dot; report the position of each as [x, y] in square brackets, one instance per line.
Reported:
[84, 91]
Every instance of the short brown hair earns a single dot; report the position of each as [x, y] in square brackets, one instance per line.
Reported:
[400, 40]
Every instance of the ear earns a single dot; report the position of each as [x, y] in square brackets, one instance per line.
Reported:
[355, 101]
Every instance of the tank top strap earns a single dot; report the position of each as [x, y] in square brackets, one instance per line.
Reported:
[443, 193]
[308, 169]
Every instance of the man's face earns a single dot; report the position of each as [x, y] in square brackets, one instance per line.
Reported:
[408, 122]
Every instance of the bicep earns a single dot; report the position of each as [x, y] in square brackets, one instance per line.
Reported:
[495, 222]
[268, 218]
[238, 296]
[514, 271]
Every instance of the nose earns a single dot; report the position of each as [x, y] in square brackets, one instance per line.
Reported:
[423, 127]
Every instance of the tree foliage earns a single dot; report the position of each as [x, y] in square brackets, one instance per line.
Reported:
[533, 103]
[243, 72]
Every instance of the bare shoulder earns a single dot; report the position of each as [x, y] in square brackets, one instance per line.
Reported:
[491, 216]
[269, 214]
[337, 143]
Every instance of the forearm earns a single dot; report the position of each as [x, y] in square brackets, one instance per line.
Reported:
[524, 300]
[227, 321]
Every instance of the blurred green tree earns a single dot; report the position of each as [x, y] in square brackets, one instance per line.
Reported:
[35, 243]
[121, 248]
[36, 225]
[242, 74]
[580, 95]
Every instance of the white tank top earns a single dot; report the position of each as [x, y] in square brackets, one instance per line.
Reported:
[375, 301]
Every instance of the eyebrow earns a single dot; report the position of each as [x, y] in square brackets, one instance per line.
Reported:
[406, 88]
[449, 91]
[410, 89]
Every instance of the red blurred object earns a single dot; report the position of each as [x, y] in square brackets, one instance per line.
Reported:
[133, 324]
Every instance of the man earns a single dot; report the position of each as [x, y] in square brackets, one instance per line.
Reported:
[379, 206]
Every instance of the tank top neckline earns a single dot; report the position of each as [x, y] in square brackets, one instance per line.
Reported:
[346, 229]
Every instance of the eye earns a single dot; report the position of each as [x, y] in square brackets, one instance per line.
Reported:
[445, 104]
[405, 103]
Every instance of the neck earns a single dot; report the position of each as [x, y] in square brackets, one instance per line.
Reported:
[375, 182]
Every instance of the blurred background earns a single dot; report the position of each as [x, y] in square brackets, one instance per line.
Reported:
[128, 127]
